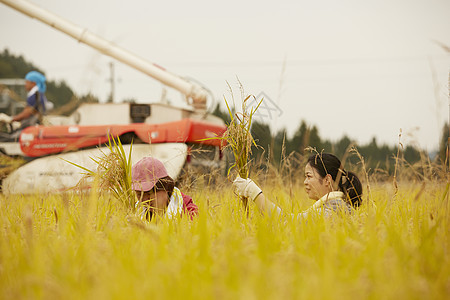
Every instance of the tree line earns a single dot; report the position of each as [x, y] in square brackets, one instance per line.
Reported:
[273, 147]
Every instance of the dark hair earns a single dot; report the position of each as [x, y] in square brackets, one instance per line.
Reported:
[349, 183]
[165, 184]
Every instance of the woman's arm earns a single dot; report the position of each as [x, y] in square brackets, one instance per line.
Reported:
[248, 188]
[266, 206]
[189, 206]
[26, 113]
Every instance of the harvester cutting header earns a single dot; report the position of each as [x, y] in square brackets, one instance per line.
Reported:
[166, 132]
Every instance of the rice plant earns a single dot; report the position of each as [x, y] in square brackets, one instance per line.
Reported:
[238, 136]
[113, 173]
[77, 246]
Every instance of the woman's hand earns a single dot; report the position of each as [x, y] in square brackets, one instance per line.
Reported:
[246, 188]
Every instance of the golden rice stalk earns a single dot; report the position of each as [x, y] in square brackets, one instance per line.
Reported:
[113, 173]
[9, 164]
[239, 138]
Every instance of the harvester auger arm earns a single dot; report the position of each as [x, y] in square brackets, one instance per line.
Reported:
[194, 93]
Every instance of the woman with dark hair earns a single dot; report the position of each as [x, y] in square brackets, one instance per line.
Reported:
[156, 191]
[333, 188]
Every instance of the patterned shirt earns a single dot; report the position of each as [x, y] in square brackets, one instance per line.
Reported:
[329, 204]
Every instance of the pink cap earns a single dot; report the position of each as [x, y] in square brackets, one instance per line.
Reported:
[146, 172]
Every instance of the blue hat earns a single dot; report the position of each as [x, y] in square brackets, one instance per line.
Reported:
[37, 78]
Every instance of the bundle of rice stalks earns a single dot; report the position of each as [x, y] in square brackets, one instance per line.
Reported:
[113, 173]
[239, 138]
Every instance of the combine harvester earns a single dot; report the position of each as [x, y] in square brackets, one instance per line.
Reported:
[168, 133]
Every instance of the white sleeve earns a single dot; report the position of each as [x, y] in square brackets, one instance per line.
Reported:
[326, 211]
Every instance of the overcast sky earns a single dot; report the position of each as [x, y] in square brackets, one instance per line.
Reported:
[361, 68]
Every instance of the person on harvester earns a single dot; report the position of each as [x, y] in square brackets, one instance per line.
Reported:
[156, 192]
[34, 110]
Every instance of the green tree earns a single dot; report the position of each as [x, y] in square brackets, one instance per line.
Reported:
[411, 154]
[341, 146]
[59, 93]
[279, 144]
[223, 114]
[263, 138]
[314, 139]
[13, 66]
[298, 143]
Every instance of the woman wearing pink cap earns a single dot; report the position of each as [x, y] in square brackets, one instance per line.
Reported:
[157, 193]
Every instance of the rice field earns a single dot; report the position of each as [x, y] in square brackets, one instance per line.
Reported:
[89, 246]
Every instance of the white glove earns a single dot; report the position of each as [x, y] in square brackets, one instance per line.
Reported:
[246, 188]
[15, 125]
[5, 118]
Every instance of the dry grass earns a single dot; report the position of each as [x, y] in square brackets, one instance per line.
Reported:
[9, 164]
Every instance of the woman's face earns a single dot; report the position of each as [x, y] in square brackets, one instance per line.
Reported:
[156, 202]
[315, 186]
